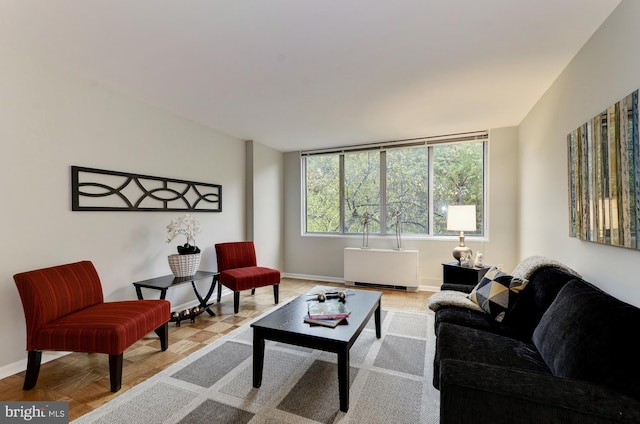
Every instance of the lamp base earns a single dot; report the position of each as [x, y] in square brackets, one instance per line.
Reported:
[461, 252]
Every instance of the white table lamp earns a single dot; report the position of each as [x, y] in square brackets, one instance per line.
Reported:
[461, 218]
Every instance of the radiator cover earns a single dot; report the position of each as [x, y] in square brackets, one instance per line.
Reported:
[384, 267]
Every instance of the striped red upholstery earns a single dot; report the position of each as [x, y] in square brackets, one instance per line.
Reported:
[109, 327]
[51, 293]
[238, 254]
[249, 277]
[238, 270]
[65, 310]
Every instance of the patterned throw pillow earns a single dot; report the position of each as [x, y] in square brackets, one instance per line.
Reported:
[497, 293]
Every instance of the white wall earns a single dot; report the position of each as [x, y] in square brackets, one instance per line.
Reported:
[605, 70]
[322, 256]
[50, 121]
[265, 194]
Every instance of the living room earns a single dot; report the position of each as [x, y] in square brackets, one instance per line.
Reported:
[55, 118]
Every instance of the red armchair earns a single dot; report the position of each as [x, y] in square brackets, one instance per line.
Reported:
[238, 270]
[65, 310]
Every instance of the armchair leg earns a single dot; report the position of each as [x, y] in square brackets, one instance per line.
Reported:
[253, 291]
[163, 333]
[276, 293]
[34, 359]
[236, 302]
[219, 291]
[115, 371]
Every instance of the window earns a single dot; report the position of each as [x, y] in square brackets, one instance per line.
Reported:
[458, 179]
[323, 194]
[408, 184]
[361, 190]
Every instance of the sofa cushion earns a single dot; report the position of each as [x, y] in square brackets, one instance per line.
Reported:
[589, 335]
[497, 293]
[543, 287]
[469, 318]
[482, 347]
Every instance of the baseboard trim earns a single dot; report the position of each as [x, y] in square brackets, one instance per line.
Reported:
[313, 277]
[410, 289]
[21, 365]
[428, 288]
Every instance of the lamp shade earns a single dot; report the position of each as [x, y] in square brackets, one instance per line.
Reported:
[461, 218]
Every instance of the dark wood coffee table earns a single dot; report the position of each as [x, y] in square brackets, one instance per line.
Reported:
[286, 325]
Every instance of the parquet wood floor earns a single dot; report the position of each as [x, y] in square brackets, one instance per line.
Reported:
[83, 379]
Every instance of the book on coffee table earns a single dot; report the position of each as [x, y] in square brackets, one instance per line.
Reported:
[324, 322]
[328, 310]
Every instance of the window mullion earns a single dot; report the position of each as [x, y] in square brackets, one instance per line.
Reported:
[342, 200]
[383, 192]
[430, 188]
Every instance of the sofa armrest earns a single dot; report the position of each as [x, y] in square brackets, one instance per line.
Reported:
[465, 288]
[480, 393]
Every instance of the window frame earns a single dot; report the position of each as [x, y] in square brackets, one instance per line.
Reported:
[430, 143]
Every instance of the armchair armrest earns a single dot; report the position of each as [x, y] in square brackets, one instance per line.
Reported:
[480, 393]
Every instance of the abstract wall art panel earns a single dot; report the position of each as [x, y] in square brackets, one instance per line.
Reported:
[604, 177]
[101, 190]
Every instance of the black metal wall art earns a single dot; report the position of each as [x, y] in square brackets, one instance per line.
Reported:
[101, 190]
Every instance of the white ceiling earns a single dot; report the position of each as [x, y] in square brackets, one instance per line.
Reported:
[302, 74]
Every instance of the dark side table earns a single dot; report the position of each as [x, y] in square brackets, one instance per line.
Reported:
[168, 281]
[453, 273]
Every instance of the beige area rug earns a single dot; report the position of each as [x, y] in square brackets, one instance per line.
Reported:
[390, 382]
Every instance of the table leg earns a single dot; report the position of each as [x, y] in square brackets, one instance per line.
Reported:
[209, 293]
[377, 321]
[203, 300]
[163, 293]
[258, 357]
[343, 378]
